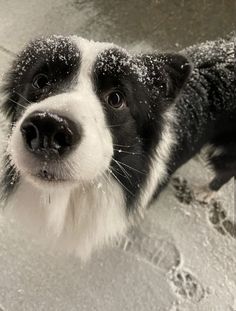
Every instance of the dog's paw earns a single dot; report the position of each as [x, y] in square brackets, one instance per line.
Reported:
[183, 192]
[204, 195]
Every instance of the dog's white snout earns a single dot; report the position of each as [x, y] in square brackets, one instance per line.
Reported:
[61, 134]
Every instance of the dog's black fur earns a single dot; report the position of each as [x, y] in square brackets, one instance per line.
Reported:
[207, 110]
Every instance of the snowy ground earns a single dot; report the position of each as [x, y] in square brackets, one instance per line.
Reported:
[183, 255]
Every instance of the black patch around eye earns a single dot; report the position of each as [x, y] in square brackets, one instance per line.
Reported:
[56, 60]
[132, 130]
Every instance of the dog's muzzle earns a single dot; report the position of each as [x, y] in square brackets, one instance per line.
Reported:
[49, 136]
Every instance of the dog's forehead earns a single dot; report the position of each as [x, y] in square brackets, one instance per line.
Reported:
[109, 58]
[91, 49]
[77, 54]
[66, 49]
[102, 55]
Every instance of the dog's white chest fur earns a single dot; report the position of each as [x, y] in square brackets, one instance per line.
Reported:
[81, 218]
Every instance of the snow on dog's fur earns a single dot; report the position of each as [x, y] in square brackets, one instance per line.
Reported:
[95, 132]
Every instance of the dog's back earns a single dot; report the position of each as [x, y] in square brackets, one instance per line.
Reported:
[206, 110]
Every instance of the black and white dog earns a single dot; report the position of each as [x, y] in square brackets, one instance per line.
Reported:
[94, 133]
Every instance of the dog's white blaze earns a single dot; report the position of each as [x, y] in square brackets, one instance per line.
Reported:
[88, 214]
[158, 168]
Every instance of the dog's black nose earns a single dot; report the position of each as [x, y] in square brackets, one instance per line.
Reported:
[49, 135]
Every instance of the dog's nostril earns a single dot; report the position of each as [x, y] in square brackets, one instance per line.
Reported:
[63, 139]
[30, 132]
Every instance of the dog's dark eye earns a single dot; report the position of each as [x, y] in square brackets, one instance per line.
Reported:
[40, 81]
[116, 100]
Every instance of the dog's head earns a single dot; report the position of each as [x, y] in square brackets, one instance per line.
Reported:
[85, 120]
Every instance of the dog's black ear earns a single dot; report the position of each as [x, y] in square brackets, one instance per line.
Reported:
[178, 70]
[167, 73]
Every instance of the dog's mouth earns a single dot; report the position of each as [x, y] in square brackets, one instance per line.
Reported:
[44, 175]
[47, 176]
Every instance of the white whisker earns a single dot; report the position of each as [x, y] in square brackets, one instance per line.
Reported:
[126, 146]
[124, 170]
[121, 183]
[20, 105]
[23, 97]
[123, 151]
[132, 168]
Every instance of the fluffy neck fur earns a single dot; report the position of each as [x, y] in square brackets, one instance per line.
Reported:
[81, 219]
